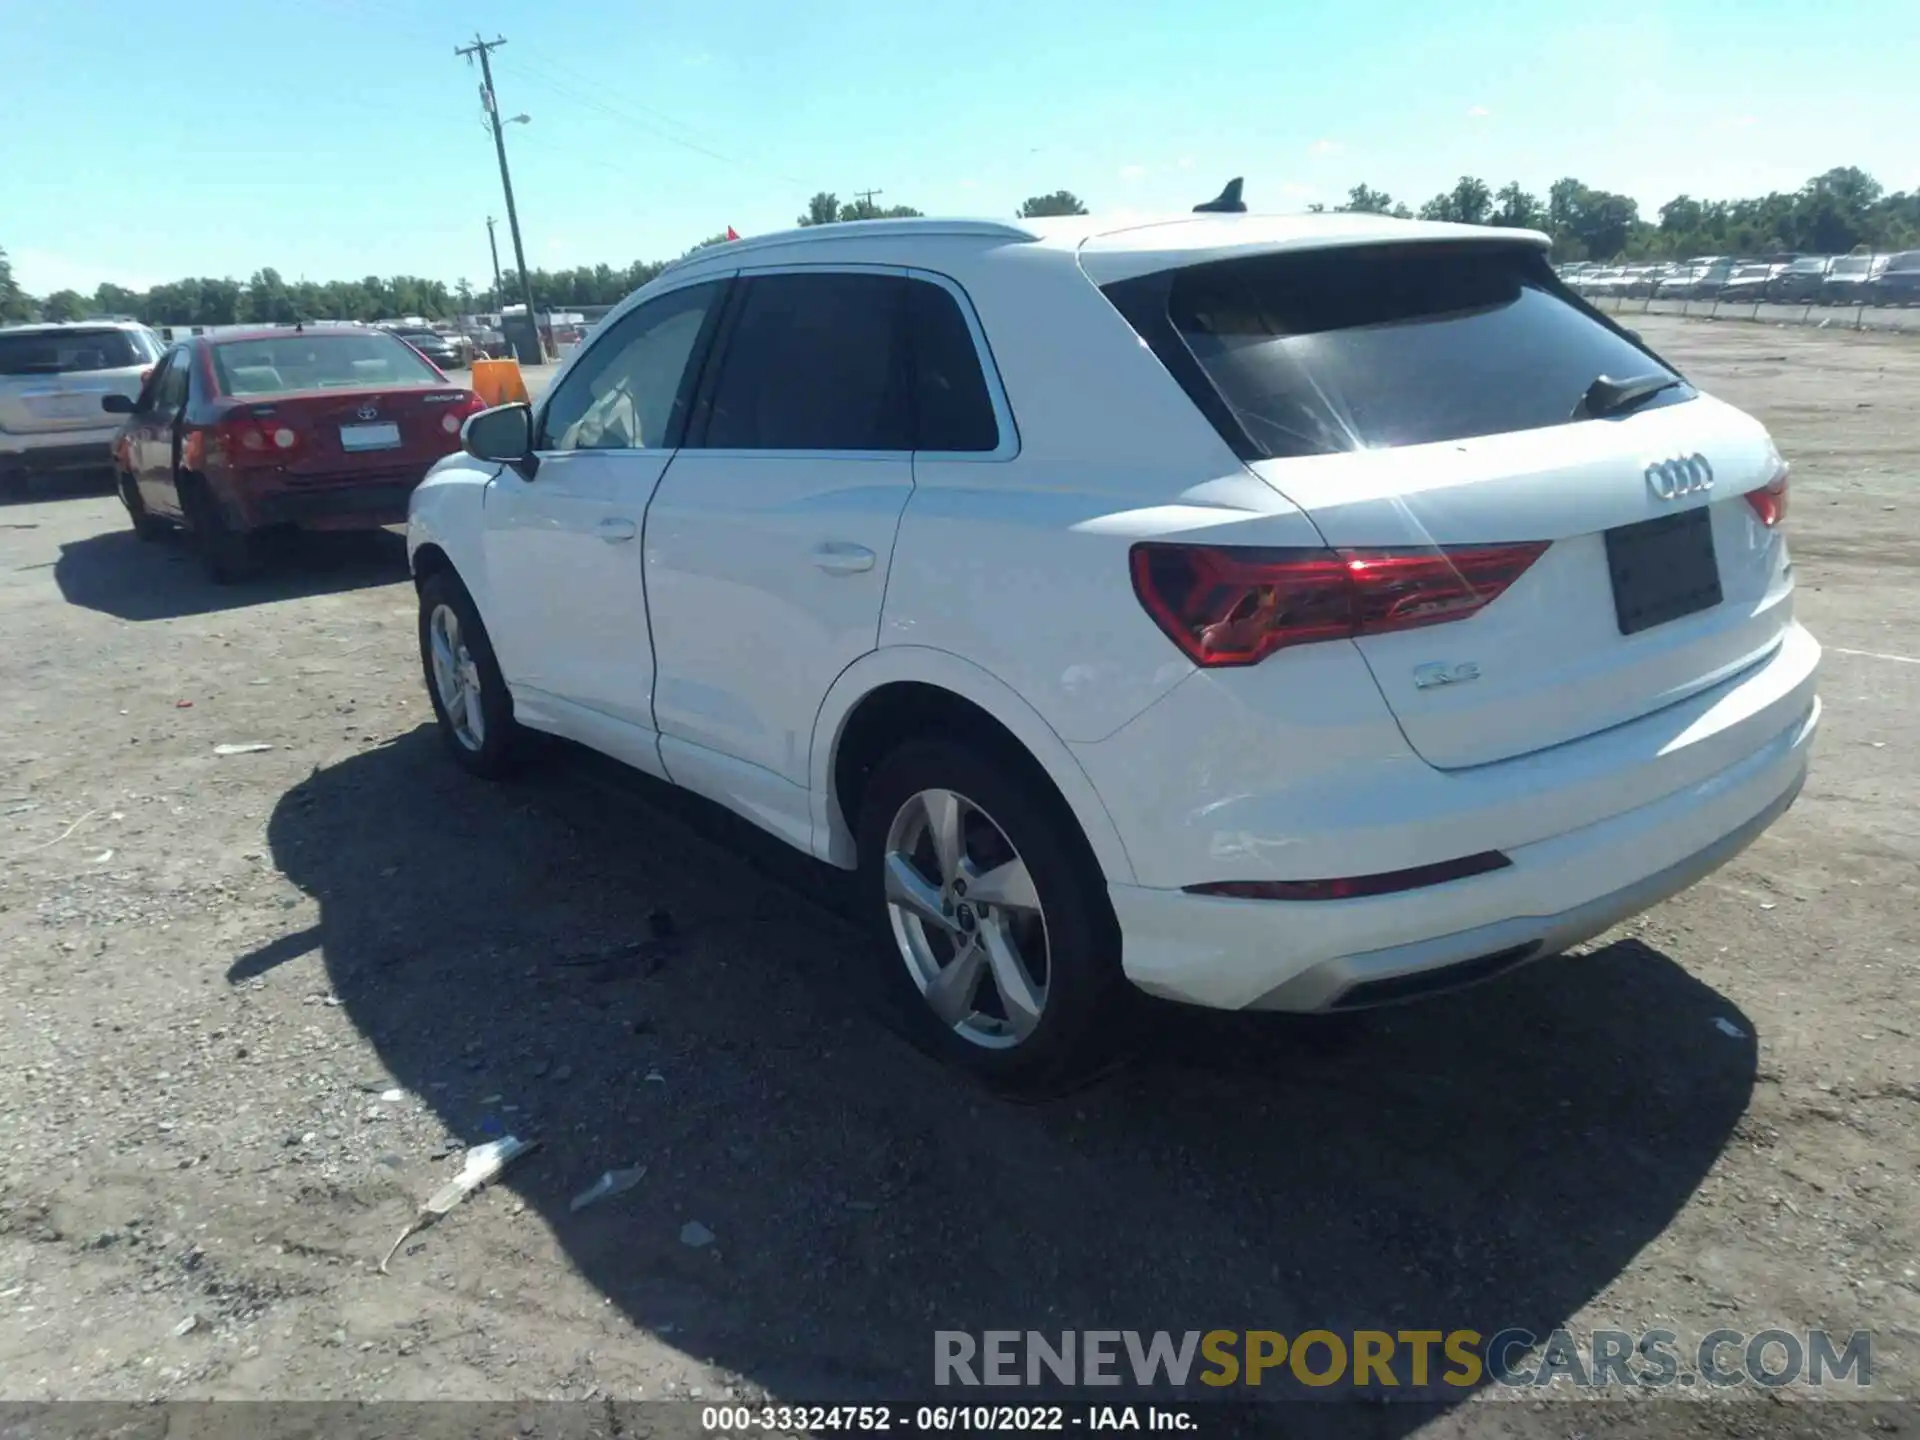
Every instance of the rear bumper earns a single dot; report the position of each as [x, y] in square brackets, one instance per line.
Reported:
[62, 453]
[1205, 786]
[1337, 955]
[365, 505]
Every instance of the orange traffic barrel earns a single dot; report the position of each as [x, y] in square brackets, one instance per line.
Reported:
[498, 382]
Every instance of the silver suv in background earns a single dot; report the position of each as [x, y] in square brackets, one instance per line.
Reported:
[52, 378]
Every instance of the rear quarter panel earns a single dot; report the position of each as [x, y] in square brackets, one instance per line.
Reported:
[1021, 565]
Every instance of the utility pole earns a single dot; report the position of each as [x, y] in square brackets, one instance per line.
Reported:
[484, 49]
[865, 197]
[499, 292]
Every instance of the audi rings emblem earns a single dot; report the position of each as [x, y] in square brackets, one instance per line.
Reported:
[1671, 479]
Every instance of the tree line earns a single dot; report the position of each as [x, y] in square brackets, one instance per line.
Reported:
[1835, 212]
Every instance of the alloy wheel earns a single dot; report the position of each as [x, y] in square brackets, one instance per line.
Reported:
[966, 919]
[456, 678]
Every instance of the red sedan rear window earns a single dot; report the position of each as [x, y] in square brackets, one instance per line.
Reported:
[318, 361]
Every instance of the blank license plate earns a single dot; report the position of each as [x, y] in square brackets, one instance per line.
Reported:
[384, 436]
[67, 407]
[1663, 569]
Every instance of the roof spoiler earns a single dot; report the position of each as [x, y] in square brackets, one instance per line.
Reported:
[1228, 202]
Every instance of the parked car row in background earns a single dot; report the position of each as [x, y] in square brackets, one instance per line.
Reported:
[1858, 279]
[228, 434]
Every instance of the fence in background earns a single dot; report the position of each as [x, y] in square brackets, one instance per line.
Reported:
[1860, 315]
[1822, 317]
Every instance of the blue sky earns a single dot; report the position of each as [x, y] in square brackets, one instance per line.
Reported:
[337, 138]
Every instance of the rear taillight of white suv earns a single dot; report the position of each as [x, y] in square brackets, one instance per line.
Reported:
[1230, 605]
[1769, 502]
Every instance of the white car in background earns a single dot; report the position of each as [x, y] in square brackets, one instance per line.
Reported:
[51, 379]
[1293, 613]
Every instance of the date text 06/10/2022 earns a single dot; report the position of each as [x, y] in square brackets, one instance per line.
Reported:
[773, 1420]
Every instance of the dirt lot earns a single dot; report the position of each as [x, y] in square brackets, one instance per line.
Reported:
[257, 1002]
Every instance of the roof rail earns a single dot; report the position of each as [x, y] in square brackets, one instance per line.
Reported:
[852, 229]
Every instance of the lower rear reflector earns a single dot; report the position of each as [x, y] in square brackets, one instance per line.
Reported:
[1356, 887]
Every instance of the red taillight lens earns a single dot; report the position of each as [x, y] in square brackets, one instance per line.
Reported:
[246, 440]
[1355, 887]
[1229, 605]
[456, 414]
[1769, 502]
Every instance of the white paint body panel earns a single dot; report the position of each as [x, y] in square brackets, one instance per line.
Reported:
[564, 560]
[759, 599]
[1609, 769]
[1552, 665]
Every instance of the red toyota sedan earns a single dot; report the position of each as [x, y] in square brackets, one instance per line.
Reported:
[319, 428]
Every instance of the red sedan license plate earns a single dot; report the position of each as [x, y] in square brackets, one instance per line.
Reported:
[384, 436]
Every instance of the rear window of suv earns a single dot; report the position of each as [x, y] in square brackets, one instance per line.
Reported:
[68, 351]
[1323, 351]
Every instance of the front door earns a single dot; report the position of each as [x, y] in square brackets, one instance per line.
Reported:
[565, 545]
[151, 445]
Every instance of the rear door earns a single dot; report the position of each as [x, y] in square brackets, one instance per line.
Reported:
[52, 378]
[1420, 401]
[769, 540]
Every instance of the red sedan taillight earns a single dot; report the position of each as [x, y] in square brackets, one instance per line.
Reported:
[1229, 605]
[245, 440]
[456, 414]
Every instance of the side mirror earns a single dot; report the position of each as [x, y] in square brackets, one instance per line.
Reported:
[117, 404]
[502, 435]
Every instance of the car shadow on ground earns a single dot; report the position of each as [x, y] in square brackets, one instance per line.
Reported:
[118, 574]
[1484, 1160]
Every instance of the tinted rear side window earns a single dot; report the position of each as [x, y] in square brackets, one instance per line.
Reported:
[953, 408]
[67, 352]
[1324, 351]
[815, 362]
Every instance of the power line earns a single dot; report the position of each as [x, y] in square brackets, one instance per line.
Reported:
[622, 109]
[620, 112]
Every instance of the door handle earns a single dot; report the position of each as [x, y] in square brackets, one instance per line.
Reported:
[842, 557]
[613, 530]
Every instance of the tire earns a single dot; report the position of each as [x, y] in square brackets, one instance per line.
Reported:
[497, 750]
[1074, 968]
[229, 555]
[145, 527]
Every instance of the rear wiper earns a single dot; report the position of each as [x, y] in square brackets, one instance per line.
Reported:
[1608, 396]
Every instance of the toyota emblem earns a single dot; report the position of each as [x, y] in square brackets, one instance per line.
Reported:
[1672, 479]
[371, 411]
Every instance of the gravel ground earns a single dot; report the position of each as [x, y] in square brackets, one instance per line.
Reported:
[257, 1002]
